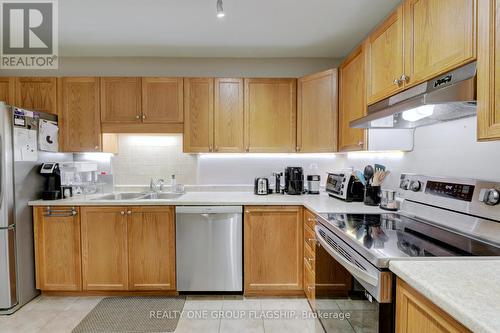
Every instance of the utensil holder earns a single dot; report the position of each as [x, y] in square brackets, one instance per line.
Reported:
[372, 195]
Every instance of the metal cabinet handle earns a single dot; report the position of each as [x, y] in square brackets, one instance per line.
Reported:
[210, 148]
[122, 212]
[129, 212]
[143, 116]
[310, 288]
[216, 148]
[404, 78]
[60, 212]
[137, 117]
[309, 259]
[361, 143]
[247, 149]
[297, 148]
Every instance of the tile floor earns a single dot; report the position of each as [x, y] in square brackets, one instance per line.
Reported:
[62, 314]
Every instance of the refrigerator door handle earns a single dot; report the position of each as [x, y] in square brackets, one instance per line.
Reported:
[1, 170]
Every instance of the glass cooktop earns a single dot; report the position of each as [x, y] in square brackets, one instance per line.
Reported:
[392, 235]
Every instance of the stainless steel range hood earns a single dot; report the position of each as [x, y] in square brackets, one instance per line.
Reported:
[447, 97]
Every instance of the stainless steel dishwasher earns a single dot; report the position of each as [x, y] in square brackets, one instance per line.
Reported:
[209, 248]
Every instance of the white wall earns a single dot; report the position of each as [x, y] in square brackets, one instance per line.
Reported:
[447, 149]
[151, 66]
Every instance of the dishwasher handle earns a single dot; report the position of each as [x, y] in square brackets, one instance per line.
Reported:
[208, 209]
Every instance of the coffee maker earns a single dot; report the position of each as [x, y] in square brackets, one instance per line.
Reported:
[294, 180]
[52, 187]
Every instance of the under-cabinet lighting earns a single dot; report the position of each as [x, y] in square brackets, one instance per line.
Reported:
[376, 154]
[416, 114]
[98, 157]
[268, 155]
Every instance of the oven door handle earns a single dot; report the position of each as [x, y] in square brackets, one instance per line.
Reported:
[353, 269]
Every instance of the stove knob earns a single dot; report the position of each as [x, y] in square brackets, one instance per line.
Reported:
[415, 186]
[491, 196]
[404, 184]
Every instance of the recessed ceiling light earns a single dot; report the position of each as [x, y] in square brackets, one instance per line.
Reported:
[220, 9]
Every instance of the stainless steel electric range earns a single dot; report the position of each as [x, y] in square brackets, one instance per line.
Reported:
[439, 217]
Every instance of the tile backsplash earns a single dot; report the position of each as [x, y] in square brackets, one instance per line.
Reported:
[159, 156]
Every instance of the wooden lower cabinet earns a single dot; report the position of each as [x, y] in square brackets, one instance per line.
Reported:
[273, 250]
[57, 248]
[151, 248]
[128, 248]
[104, 248]
[416, 314]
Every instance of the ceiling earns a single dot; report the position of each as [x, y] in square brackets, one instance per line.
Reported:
[189, 28]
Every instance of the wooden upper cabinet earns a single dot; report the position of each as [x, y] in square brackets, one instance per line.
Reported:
[121, 100]
[36, 93]
[79, 112]
[7, 90]
[198, 115]
[57, 249]
[384, 58]
[488, 70]
[162, 100]
[416, 314]
[228, 115]
[270, 115]
[352, 101]
[273, 249]
[104, 248]
[439, 36]
[151, 248]
[317, 101]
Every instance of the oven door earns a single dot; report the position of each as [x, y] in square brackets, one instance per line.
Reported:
[351, 294]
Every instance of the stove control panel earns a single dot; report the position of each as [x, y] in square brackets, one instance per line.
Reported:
[450, 190]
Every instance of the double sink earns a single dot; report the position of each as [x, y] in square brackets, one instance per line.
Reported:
[140, 196]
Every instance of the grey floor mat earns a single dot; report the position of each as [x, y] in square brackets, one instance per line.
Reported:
[133, 314]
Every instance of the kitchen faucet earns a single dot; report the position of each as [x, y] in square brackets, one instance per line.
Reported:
[154, 185]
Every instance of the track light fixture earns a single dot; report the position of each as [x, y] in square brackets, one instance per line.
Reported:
[220, 9]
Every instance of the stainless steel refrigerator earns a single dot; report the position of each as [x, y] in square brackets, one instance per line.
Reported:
[20, 182]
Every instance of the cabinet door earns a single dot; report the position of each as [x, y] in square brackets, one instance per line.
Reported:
[198, 115]
[151, 248]
[352, 101]
[36, 93]
[79, 120]
[385, 58]
[7, 90]
[317, 102]
[57, 249]
[488, 70]
[104, 248]
[273, 250]
[439, 36]
[416, 314]
[270, 115]
[228, 115]
[121, 100]
[162, 100]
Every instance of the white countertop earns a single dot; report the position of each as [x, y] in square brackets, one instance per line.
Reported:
[468, 290]
[321, 203]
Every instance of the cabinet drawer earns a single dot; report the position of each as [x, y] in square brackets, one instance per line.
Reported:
[309, 219]
[309, 256]
[309, 238]
[309, 288]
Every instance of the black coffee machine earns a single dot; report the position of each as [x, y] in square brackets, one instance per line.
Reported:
[52, 187]
[294, 180]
